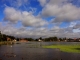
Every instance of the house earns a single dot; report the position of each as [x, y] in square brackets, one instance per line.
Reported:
[39, 40]
[8, 39]
[23, 40]
[14, 40]
[70, 40]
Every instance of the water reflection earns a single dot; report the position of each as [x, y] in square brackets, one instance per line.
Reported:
[34, 51]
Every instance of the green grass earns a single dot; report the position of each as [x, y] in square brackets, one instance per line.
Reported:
[66, 48]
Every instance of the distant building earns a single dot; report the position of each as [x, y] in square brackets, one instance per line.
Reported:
[77, 40]
[14, 40]
[23, 40]
[39, 40]
[70, 40]
[8, 39]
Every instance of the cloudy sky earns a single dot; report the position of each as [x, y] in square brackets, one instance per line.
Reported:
[40, 18]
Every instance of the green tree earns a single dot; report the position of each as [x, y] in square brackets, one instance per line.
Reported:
[0, 36]
[17, 39]
[4, 37]
[55, 38]
[47, 39]
[40, 38]
[30, 39]
[60, 39]
[36, 39]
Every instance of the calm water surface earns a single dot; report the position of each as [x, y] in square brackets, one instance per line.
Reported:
[34, 51]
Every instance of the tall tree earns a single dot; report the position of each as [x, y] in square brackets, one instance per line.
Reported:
[55, 38]
[0, 36]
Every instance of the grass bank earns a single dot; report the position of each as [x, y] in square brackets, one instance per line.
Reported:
[66, 48]
[6, 42]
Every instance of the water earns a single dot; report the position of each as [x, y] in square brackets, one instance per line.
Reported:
[34, 51]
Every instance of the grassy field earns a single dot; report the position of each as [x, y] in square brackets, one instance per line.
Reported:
[66, 48]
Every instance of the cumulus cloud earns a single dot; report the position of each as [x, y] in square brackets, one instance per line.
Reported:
[24, 32]
[12, 14]
[42, 2]
[77, 26]
[27, 18]
[53, 2]
[57, 2]
[35, 26]
[72, 24]
[62, 10]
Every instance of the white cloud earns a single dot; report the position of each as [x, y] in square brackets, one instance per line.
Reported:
[23, 32]
[52, 2]
[12, 14]
[30, 20]
[57, 2]
[27, 18]
[72, 24]
[34, 26]
[42, 2]
[77, 26]
[61, 11]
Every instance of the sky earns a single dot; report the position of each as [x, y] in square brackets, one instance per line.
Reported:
[40, 18]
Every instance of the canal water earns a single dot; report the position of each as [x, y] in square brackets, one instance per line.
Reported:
[34, 51]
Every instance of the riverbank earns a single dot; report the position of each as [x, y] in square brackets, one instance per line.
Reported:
[6, 42]
[66, 48]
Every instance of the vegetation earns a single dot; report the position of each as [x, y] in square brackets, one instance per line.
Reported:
[3, 37]
[29, 39]
[66, 48]
[51, 39]
[6, 43]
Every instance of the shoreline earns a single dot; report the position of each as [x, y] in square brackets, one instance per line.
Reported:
[6, 43]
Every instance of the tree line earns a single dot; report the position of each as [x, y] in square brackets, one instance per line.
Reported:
[3, 37]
